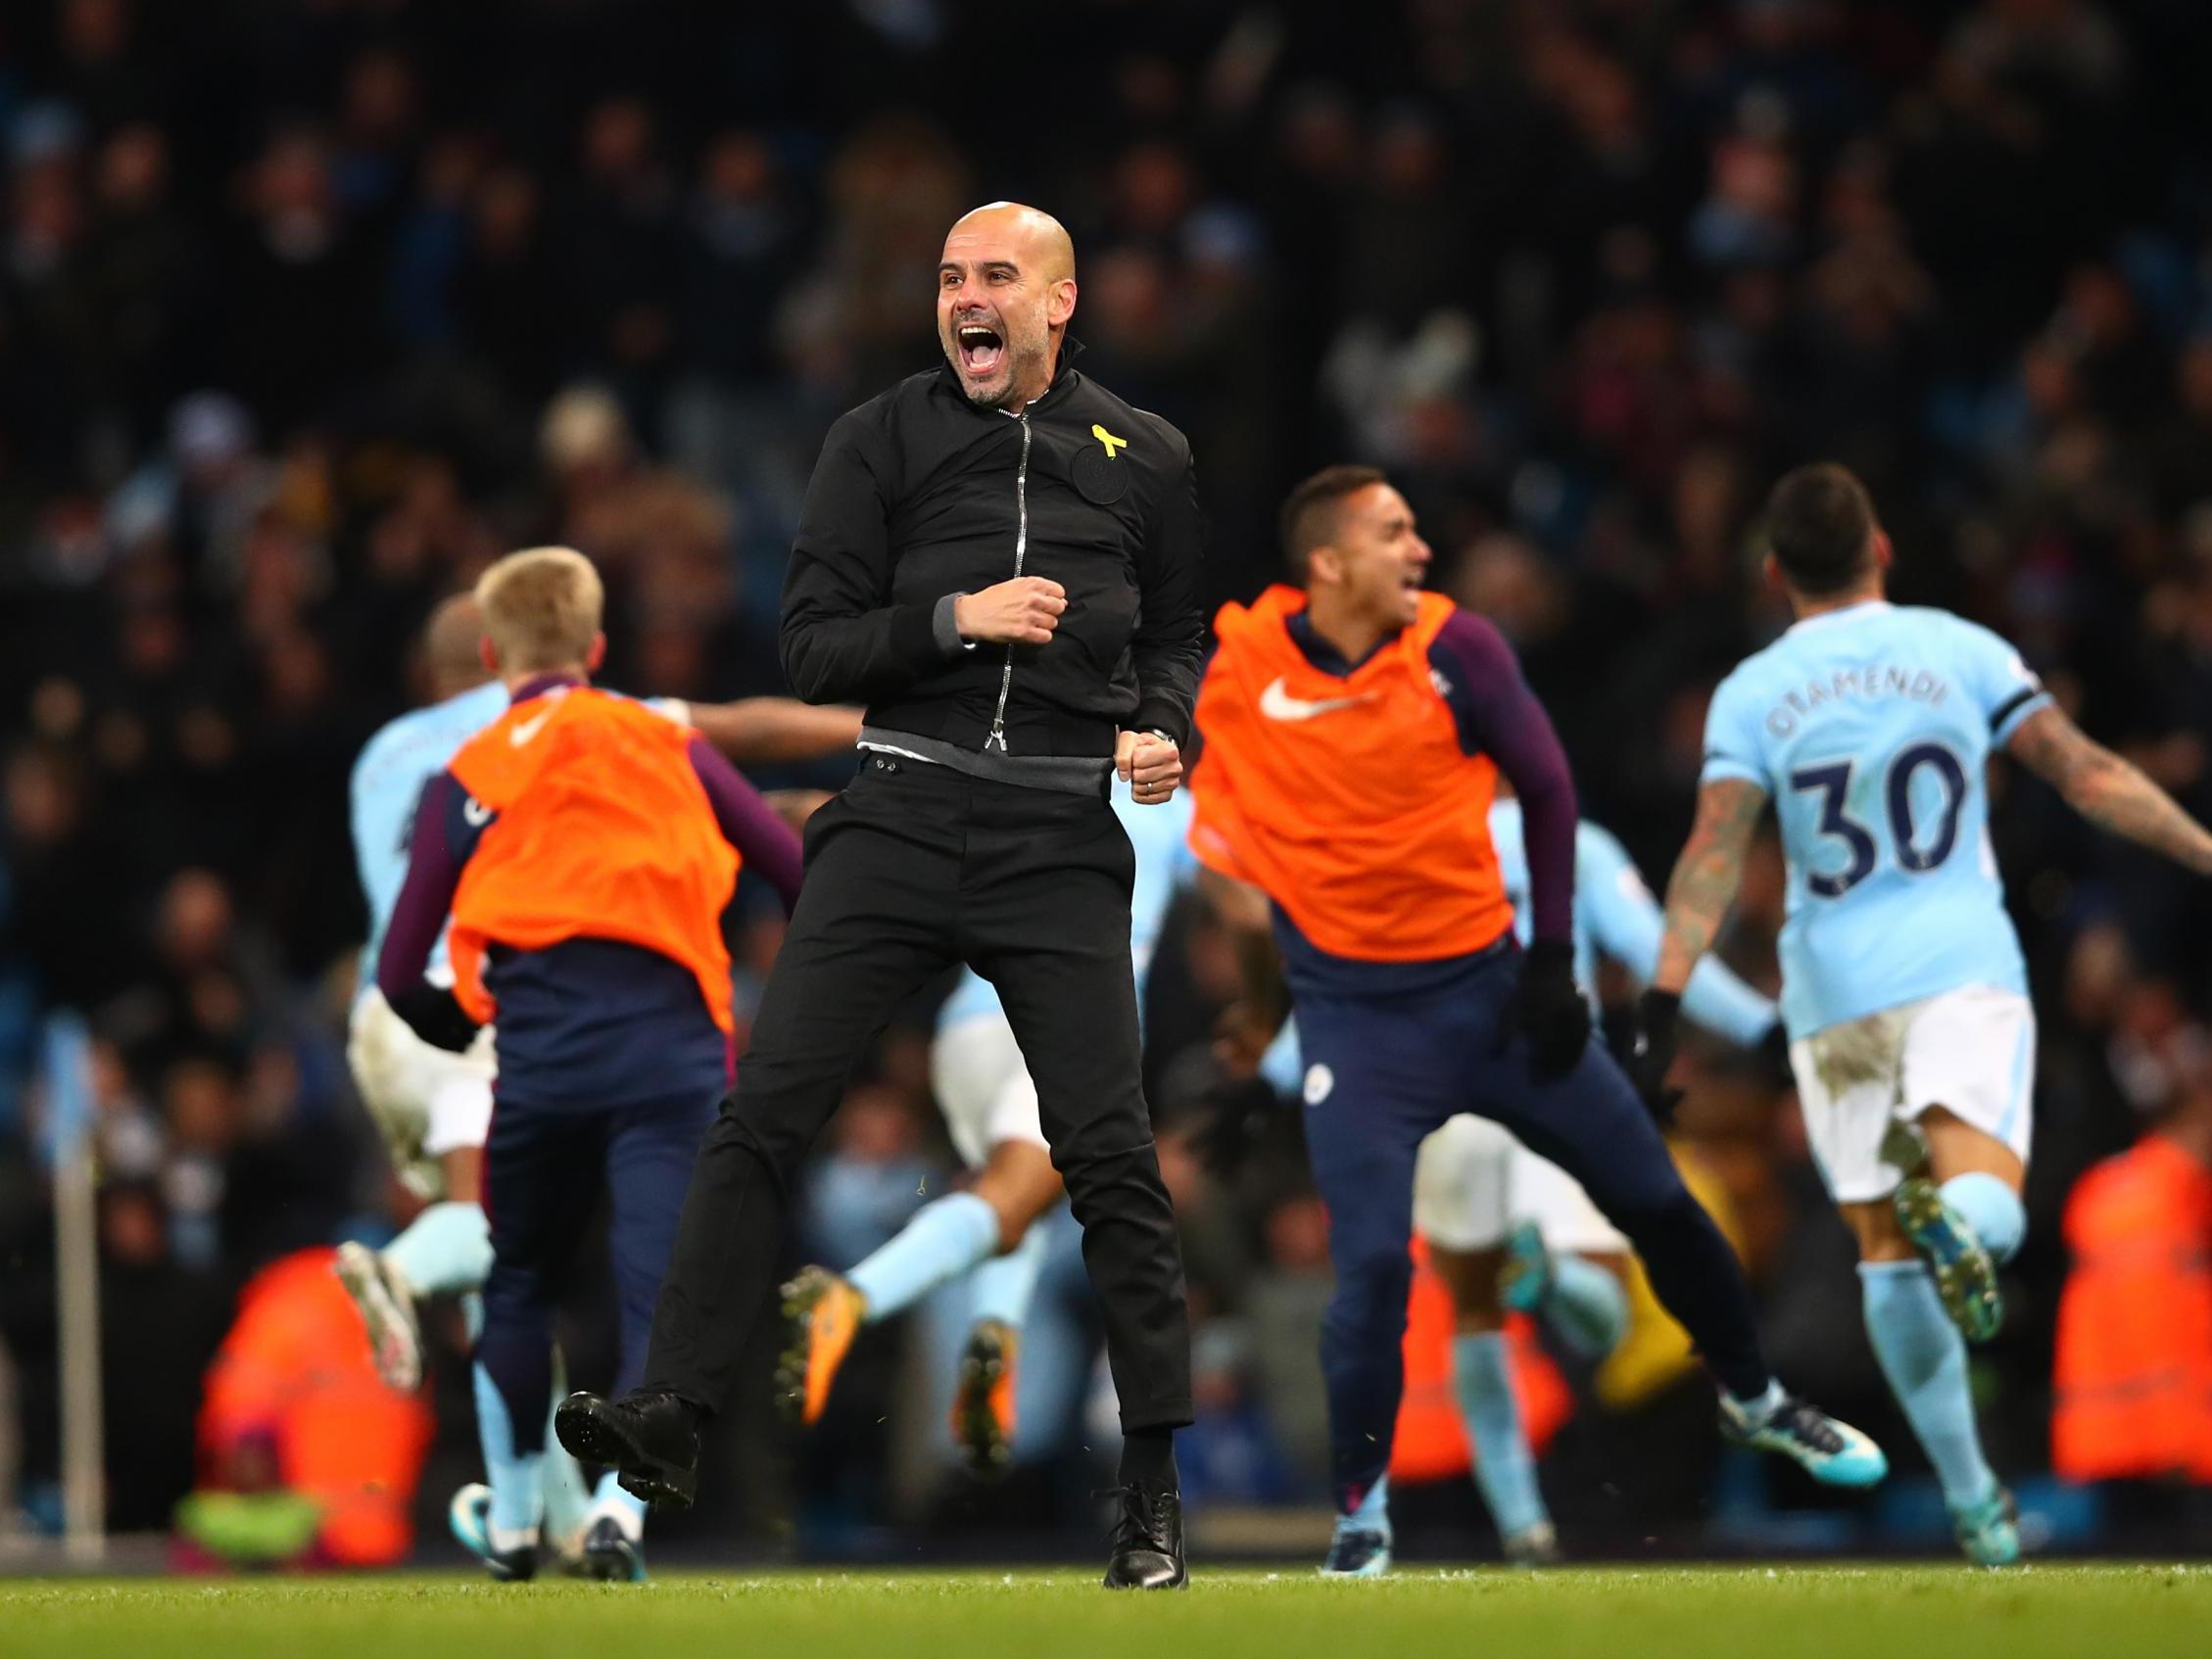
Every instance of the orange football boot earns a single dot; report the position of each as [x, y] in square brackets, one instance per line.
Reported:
[822, 1314]
[982, 1407]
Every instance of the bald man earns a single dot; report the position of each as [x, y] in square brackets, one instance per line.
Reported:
[999, 558]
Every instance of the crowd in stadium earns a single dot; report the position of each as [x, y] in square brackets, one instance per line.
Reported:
[296, 336]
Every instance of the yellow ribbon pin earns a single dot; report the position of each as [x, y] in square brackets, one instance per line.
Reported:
[1106, 438]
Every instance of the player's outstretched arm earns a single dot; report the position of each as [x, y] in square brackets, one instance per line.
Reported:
[766, 730]
[1698, 896]
[1626, 922]
[2109, 791]
[1705, 876]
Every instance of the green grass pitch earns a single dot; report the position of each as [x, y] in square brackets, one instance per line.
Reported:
[2106, 1612]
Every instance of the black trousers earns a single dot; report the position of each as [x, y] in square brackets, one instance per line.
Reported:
[913, 867]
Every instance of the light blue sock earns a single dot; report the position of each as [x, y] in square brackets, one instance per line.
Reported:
[1585, 1306]
[566, 1498]
[1003, 1285]
[517, 1498]
[1924, 1357]
[447, 1247]
[1991, 1209]
[1373, 1513]
[1482, 1375]
[627, 1508]
[941, 1242]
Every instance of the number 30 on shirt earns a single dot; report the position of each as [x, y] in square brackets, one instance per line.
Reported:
[1918, 847]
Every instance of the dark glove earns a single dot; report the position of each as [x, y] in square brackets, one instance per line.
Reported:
[1549, 1010]
[1651, 1052]
[1773, 1053]
[435, 1015]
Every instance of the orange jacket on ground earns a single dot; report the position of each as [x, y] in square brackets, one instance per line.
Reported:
[1429, 1443]
[2133, 1371]
[602, 831]
[1653, 1354]
[295, 1373]
[1347, 801]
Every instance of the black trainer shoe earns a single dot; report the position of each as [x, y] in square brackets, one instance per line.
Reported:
[649, 1440]
[613, 1554]
[469, 1515]
[1148, 1540]
[1357, 1552]
[1830, 1450]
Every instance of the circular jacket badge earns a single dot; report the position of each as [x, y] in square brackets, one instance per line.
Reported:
[1101, 479]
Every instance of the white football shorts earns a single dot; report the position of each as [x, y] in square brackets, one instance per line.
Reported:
[426, 1100]
[1473, 1183]
[1865, 1083]
[984, 1089]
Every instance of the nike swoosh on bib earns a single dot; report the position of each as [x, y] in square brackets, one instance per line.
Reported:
[1276, 703]
[522, 732]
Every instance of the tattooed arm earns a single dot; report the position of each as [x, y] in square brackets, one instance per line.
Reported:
[2110, 792]
[1705, 876]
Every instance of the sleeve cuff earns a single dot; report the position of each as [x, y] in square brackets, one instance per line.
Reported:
[1163, 718]
[2009, 719]
[1719, 768]
[945, 627]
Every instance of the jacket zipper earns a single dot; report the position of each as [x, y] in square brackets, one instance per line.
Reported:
[997, 737]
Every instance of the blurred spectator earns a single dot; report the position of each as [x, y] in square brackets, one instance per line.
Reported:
[2133, 1377]
[294, 1410]
[299, 290]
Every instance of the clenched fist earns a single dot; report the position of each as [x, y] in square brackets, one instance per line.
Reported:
[1149, 764]
[1022, 612]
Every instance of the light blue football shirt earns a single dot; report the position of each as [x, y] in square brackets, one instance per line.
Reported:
[1614, 916]
[387, 784]
[1165, 865]
[1870, 728]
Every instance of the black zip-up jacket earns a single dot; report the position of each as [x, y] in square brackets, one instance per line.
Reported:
[919, 496]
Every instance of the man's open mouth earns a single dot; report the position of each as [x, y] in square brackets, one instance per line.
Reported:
[980, 348]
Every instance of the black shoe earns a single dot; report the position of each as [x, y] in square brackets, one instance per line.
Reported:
[1831, 1451]
[649, 1440]
[1357, 1552]
[613, 1554]
[470, 1517]
[1148, 1540]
